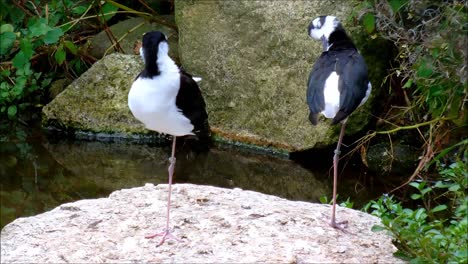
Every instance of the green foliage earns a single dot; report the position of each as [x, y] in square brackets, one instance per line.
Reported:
[430, 77]
[348, 203]
[436, 232]
[431, 38]
[32, 36]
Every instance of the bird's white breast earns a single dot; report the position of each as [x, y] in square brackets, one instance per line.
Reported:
[153, 102]
[331, 95]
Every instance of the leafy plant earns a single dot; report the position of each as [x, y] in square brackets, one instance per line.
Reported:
[428, 84]
[34, 46]
[437, 231]
[347, 204]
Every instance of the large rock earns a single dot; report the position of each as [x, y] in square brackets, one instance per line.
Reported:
[255, 58]
[97, 101]
[215, 226]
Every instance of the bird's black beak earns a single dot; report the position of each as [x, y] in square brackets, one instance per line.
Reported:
[324, 43]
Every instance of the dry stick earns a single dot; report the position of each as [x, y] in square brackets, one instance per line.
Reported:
[427, 156]
[123, 36]
[25, 10]
[108, 31]
[149, 16]
[147, 6]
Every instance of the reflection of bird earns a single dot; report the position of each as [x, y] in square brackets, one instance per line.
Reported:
[338, 83]
[167, 100]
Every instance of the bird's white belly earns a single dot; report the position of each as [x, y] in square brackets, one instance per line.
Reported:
[331, 96]
[368, 91]
[152, 101]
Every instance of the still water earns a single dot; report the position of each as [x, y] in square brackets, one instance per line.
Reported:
[43, 173]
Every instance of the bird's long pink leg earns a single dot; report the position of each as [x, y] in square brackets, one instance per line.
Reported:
[336, 157]
[166, 233]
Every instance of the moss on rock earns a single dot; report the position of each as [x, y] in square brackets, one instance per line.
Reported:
[97, 100]
[255, 58]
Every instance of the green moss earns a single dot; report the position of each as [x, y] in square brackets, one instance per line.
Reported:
[255, 58]
[97, 101]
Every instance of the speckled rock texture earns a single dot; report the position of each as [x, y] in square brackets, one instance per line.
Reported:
[97, 100]
[215, 225]
[255, 58]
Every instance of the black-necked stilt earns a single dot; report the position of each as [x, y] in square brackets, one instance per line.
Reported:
[167, 100]
[337, 85]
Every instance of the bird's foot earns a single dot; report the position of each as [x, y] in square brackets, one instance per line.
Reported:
[166, 234]
[340, 226]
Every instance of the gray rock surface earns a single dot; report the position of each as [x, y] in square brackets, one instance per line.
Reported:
[216, 226]
[97, 100]
[255, 58]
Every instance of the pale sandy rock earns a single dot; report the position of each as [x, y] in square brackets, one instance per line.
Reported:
[216, 226]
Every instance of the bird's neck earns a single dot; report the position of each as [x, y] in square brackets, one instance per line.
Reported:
[162, 65]
[166, 64]
[338, 39]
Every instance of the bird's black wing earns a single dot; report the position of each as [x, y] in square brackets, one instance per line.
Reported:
[353, 84]
[315, 85]
[191, 102]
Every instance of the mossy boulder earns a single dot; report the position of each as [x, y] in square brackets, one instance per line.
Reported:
[255, 58]
[97, 101]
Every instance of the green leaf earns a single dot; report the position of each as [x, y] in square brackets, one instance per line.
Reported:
[79, 10]
[424, 70]
[108, 10]
[416, 185]
[439, 208]
[440, 184]
[26, 47]
[5, 73]
[377, 228]
[397, 4]
[39, 27]
[20, 60]
[6, 28]
[71, 47]
[454, 187]
[60, 55]
[7, 41]
[323, 199]
[12, 111]
[415, 196]
[53, 36]
[408, 84]
[426, 190]
[420, 214]
[19, 85]
[369, 22]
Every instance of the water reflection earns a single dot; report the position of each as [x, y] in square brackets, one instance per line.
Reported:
[62, 171]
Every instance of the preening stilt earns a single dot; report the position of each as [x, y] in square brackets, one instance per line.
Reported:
[167, 100]
[337, 85]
